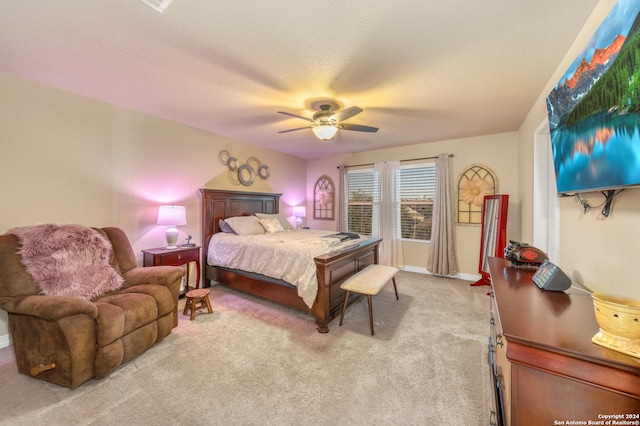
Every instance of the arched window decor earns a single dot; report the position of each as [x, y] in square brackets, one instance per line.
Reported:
[323, 199]
[474, 183]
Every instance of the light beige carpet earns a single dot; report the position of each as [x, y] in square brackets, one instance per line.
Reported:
[253, 362]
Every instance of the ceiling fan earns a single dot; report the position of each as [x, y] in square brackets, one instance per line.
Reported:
[327, 122]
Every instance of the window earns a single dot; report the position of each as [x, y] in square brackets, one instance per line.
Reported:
[361, 187]
[417, 190]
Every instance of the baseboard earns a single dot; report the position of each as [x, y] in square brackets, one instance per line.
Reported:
[461, 276]
[5, 341]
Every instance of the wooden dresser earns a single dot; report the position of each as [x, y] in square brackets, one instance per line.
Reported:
[544, 367]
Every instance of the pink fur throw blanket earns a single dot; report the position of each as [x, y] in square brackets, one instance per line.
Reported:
[68, 260]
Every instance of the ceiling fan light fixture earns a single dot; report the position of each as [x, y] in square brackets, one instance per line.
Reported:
[327, 122]
[159, 5]
[325, 132]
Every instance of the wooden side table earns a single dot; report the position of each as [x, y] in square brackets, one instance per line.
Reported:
[174, 257]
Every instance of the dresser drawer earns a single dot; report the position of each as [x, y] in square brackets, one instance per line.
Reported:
[159, 256]
[178, 258]
[500, 367]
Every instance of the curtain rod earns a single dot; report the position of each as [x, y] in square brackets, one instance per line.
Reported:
[410, 159]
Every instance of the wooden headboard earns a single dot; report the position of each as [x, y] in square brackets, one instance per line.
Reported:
[216, 204]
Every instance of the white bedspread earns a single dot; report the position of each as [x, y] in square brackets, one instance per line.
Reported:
[286, 256]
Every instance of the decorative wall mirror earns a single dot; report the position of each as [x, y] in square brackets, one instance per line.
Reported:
[493, 239]
[323, 198]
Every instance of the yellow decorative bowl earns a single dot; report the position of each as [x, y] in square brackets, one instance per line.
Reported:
[619, 321]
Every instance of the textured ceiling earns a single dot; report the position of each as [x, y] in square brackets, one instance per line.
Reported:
[422, 70]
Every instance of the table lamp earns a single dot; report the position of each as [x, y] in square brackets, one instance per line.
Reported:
[299, 212]
[172, 216]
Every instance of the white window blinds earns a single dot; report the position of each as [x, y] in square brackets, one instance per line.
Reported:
[417, 191]
[360, 191]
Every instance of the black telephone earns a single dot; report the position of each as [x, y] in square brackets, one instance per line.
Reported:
[550, 277]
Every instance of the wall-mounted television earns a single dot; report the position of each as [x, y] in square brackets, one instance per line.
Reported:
[594, 110]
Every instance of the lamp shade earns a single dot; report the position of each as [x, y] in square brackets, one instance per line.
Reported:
[172, 215]
[325, 132]
[299, 211]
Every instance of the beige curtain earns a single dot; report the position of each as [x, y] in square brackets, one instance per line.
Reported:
[342, 205]
[386, 213]
[442, 255]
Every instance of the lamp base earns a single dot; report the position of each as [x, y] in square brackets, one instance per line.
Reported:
[298, 223]
[171, 234]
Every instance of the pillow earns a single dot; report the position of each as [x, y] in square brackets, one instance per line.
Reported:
[224, 227]
[286, 225]
[68, 260]
[271, 225]
[245, 225]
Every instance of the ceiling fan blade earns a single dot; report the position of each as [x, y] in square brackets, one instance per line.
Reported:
[293, 130]
[346, 113]
[358, 128]
[296, 116]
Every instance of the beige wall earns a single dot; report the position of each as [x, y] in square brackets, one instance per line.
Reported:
[599, 252]
[70, 159]
[499, 152]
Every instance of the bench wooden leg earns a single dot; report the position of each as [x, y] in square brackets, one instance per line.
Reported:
[370, 313]
[395, 288]
[344, 306]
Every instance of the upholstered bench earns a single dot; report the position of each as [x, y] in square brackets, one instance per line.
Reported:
[369, 282]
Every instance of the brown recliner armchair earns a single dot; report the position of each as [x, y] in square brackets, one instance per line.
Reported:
[69, 340]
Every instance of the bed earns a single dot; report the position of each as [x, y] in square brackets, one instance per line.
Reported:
[332, 268]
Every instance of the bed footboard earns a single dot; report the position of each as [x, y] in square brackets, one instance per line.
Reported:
[332, 270]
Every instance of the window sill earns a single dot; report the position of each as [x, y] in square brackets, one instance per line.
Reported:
[409, 240]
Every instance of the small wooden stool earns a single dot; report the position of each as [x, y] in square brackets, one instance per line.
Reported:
[369, 282]
[197, 299]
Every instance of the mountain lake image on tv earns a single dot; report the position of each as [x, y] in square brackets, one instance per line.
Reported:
[594, 110]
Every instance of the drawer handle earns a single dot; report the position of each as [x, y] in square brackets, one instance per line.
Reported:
[499, 340]
[179, 256]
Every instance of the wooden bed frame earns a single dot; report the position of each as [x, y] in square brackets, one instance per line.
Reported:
[332, 269]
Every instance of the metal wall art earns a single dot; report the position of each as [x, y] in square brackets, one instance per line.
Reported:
[324, 193]
[474, 183]
[245, 173]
